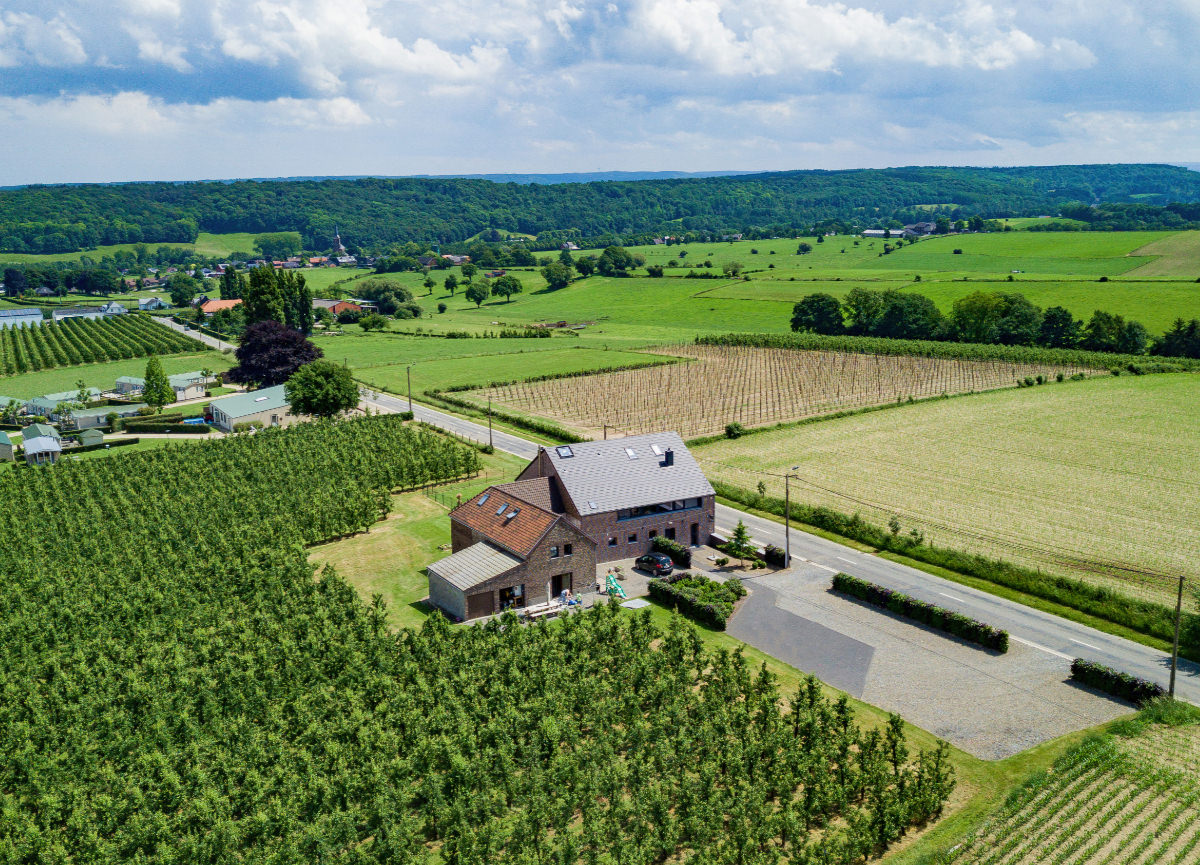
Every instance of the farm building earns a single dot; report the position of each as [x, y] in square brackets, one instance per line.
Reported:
[337, 307]
[77, 312]
[187, 385]
[573, 506]
[39, 430]
[46, 405]
[263, 408]
[509, 552]
[113, 308]
[6, 447]
[152, 303]
[20, 317]
[41, 450]
[90, 437]
[90, 418]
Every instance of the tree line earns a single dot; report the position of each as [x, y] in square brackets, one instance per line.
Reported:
[1004, 318]
[373, 213]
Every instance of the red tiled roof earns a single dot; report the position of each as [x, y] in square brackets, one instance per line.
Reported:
[519, 534]
[212, 306]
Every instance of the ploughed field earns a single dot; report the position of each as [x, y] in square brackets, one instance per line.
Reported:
[719, 385]
[1112, 799]
[1097, 478]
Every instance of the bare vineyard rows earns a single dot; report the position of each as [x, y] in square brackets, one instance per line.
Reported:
[719, 385]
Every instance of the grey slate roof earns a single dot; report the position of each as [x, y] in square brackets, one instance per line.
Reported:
[252, 402]
[600, 476]
[42, 445]
[476, 564]
[4, 439]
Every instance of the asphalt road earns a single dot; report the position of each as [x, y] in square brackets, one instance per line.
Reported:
[210, 341]
[1044, 632]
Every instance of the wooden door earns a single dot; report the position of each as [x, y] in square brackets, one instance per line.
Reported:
[480, 605]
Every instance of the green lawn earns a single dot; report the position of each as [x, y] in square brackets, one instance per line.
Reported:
[105, 375]
[1069, 477]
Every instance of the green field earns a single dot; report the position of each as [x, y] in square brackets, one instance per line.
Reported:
[105, 375]
[1072, 477]
[206, 245]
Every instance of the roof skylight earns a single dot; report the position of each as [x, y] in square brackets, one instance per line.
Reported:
[483, 498]
[631, 453]
[500, 509]
[657, 450]
[564, 451]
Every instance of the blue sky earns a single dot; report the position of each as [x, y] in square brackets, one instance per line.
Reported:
[105, 90]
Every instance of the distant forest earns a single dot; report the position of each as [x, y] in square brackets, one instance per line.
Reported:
[374, 214]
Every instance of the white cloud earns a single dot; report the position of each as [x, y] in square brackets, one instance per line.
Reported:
[154, 50]
[26, 39]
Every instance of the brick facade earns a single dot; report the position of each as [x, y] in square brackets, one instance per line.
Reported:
[607, 526]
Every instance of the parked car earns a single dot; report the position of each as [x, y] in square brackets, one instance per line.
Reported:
[657, 564]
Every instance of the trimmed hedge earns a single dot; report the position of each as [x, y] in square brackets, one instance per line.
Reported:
[698, 598]
[1145, 617]
[929, 614]
[168, 428]
[1114, 682]
[680, 555]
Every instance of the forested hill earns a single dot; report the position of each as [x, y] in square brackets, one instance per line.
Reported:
[372, 213]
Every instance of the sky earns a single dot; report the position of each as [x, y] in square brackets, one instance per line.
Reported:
[113, 90]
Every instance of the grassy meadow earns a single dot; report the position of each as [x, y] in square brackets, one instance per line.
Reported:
[1074, 477]
[105, 375]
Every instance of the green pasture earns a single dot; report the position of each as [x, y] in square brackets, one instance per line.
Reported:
[1176, 256]
[483, 368]
[1071, 477]
[105, 375]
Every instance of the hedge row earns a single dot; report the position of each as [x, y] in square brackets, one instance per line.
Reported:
[929, 614]
[1114, 682]
[698, 598]
[680, 554]
[953, 350]
[1145, 617]
[157, 427]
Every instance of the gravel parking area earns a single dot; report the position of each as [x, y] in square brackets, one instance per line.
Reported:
[988, 704]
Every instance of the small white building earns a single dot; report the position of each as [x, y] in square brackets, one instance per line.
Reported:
[42, 450]
[26, 317]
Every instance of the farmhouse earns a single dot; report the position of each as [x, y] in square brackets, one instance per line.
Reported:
[573, 506]
[152, 303]
[263, 408]
[20, 317]
[42, 450]
[113, 308]
[6, 447]
[208, 307]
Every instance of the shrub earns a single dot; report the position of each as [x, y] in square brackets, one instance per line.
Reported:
[734, 430]
[1114, 682]
[698, 598]
[774, 556]
[680, 554]
[442, 307]
[929, 614]
[406, 415]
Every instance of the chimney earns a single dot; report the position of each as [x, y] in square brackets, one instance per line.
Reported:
[669, 458]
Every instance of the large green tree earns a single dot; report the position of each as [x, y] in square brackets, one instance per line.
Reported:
[321, 388]
[277, 245]
[182, 289]
[506, 286]
[157, 391]
[819, 313]
[557, 275]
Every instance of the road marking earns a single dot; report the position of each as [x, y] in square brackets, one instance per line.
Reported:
[1040, 648]
[824, 567]
[952, 597]
[1089, 645]
[844, 559]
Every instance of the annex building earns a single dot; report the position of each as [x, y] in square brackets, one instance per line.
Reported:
[573, 507]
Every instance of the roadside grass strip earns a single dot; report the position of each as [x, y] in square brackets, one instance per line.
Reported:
[1111, 800]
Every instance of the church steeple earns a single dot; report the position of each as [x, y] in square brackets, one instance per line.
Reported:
[338, 249]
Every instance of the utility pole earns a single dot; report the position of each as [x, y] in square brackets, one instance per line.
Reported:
[408, 372]
[490, 423]
[787, 519]
[1175, 647]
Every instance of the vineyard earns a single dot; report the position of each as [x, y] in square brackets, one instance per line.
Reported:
[1127, 801]
[754, 387]
[74, 341]
[175, 686]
